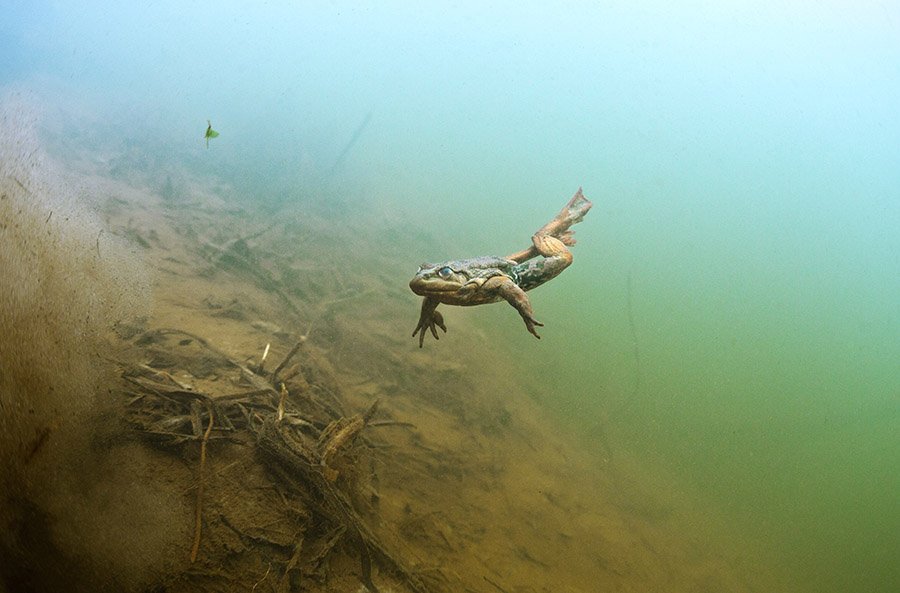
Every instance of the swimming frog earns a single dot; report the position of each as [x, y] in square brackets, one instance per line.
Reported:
[481, 280]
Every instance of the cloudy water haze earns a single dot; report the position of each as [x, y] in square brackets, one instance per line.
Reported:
[732, 315]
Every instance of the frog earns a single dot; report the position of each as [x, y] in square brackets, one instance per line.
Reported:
[490, 279]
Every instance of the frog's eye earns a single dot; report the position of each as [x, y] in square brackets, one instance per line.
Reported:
[445, 273]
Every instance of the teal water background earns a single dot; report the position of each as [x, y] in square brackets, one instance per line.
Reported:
[734, 307]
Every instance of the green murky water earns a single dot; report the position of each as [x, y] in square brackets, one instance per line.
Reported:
[733, 312]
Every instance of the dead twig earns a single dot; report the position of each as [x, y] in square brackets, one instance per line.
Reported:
[287, 358]
[198, 514]
[285, 584]
[262, 361]
[280, 413]
[262, 579]
[390, 423]
[499, 588]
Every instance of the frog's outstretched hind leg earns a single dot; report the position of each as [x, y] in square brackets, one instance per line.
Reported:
[556, 257]
[572, 213]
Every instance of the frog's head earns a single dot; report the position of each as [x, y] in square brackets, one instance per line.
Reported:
[437, 279]
[459, 282]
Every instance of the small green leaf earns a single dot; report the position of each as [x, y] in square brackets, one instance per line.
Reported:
[210, 133]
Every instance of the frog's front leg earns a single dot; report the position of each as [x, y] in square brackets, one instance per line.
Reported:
[429, 319]
[515, 296]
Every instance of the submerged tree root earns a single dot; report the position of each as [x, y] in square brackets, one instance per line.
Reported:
[305, 447]
[305, 472]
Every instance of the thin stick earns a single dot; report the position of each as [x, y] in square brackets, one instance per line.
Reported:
[262, 361]
[263, 578]
[284, 584]
[636, 351]
[356, 134]
[391, 423]
[198, 513]
[499, 588]
[287, 358]
[281, 399]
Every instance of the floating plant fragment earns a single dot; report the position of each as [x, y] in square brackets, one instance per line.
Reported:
[210, 133]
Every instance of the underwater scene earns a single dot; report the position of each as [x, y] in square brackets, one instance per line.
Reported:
[511, 297]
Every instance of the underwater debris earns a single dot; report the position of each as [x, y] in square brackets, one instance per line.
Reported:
[340, 435]
[296, 441]
[198, 511]
[210, 133]
[353, 139]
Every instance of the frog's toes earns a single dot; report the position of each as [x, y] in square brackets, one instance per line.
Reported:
[530, 323]
[437, 322]
[429, 323]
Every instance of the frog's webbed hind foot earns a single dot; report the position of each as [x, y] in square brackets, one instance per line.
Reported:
[560, 227]
[572, 213]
